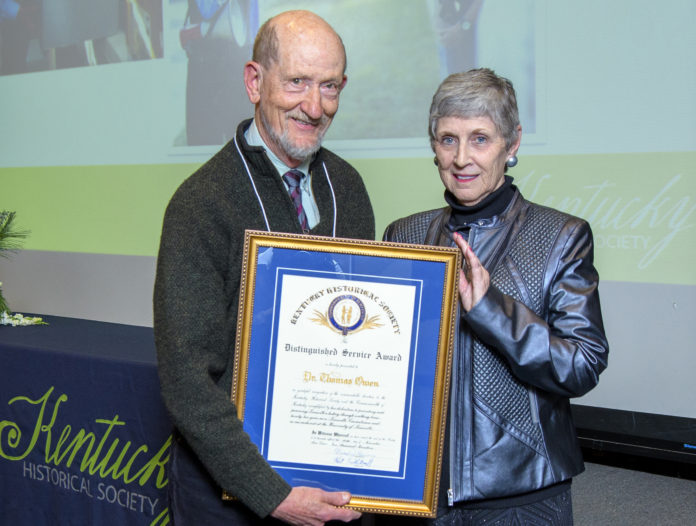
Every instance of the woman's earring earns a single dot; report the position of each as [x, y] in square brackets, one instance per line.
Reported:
[512, 161]
[435, 161]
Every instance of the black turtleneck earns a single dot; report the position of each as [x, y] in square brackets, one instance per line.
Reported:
[492, 205]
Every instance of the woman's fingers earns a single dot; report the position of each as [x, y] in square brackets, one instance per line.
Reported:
[474, 279]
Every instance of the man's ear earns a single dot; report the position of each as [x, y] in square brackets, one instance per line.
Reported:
[252, 80]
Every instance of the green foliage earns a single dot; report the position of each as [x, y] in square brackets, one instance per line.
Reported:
[3, 304]
[10, 239]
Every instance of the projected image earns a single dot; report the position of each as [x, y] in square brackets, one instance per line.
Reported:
[468, 36]
[217, 37]
[393, 68]
[397, 57]
[455, 23]
[191, 100]
[39, 35]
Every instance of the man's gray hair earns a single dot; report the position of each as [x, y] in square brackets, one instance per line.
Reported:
[477, 93]
[266, 45]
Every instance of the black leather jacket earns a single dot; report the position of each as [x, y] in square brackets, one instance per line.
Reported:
[533, 341]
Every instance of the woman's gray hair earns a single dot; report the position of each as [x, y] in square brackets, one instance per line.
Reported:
[477, 93]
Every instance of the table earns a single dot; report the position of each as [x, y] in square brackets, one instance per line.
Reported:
[84, 436]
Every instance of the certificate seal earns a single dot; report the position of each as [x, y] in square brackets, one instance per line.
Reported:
[346, 313]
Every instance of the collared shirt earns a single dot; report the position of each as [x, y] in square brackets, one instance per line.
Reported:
[253, 138]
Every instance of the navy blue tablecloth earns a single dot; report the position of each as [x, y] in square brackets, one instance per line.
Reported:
[84, 436]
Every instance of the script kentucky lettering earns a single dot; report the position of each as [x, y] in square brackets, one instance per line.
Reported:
[622, 218]
[105, 457]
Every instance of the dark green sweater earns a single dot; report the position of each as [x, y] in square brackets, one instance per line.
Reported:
[197, 290]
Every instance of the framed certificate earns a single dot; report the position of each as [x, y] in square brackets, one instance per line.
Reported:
[342, 367]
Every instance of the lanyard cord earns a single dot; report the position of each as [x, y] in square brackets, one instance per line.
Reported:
[258, 197]
[333, 196]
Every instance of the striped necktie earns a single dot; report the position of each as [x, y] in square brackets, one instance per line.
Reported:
[292, 178]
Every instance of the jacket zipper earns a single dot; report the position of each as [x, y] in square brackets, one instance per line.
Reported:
[533, 407]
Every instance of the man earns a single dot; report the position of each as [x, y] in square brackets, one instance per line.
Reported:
[294, 80]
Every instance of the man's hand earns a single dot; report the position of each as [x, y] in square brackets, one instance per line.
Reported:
[473, 284]
[313, 507]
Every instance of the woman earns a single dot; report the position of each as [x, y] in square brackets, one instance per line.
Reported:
[530, 332]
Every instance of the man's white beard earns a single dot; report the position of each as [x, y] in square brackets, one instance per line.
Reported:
[293, 151]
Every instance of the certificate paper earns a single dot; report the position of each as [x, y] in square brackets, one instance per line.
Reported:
[342, 364]
[345, 360]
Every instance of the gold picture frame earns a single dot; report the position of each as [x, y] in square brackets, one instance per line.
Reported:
[343, 352]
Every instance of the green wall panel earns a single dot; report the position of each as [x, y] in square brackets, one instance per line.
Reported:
[641, 206]
[97, 209]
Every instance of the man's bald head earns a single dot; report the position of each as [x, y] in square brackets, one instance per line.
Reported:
[293, 26]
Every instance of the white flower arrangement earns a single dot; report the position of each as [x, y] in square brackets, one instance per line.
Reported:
[19, 319]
